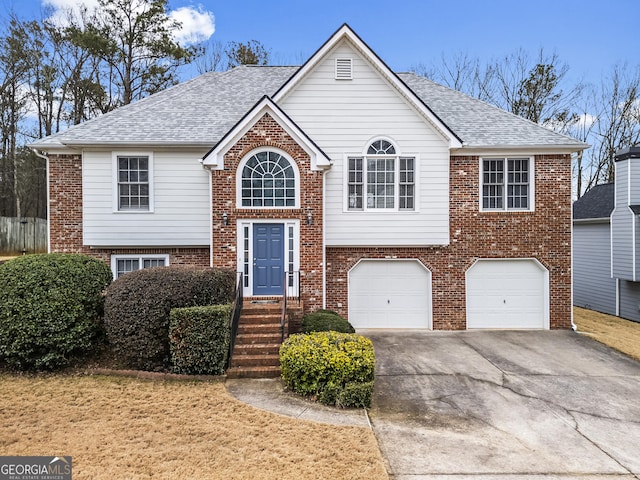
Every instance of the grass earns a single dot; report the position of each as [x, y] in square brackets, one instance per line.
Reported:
[618, 333]
[116, 427]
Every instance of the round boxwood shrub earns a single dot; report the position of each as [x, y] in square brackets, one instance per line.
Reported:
[49, 308]
[325, 320]
[336, 368]
[138, 304]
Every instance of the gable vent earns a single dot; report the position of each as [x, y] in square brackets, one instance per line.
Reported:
[344, 69]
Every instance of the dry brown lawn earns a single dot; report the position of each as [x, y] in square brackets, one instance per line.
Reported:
[117, 427]
[618, 333]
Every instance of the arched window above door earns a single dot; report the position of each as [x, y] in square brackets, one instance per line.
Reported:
[268, 179]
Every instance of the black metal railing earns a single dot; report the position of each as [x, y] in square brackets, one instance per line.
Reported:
[235, 317]
[291, 289]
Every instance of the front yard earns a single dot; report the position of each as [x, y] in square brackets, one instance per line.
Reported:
[117, 427]
[618, 333]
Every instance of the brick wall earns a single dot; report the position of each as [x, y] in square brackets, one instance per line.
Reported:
[544, 234]
[267, 133]
[65, 218]
[65, 204]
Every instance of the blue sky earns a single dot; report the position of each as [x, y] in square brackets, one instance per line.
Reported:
[589, 35]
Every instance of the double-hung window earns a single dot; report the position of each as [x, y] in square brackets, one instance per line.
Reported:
[381, 179]
[121, 264]
[133, 184]
[506, 184]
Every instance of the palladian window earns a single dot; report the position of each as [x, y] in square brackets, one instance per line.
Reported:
[381, 179]
[268, 180]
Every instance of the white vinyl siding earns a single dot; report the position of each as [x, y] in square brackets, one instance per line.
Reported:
[180, 215]
[343, 118]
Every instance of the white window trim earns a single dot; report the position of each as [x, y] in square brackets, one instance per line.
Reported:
[243, 162]
[532, 185]
[140, 258]
[116, 193]
[240, 224]
[399, 154]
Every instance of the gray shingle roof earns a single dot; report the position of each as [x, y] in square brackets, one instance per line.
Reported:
[480, 124]
[200, 111]
[598, 202]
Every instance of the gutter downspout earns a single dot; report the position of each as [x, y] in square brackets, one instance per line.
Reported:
[46, 159]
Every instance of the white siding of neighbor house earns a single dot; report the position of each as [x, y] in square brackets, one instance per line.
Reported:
[342, 116]
[622, 220]
[593, 286]
[181, 214]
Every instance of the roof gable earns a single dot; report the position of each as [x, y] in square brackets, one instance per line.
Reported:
[215, 157]
[345, 33]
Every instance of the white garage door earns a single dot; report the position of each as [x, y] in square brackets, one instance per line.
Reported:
[507, 294]
[389, 294]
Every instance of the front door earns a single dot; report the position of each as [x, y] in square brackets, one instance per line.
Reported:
[268, 258]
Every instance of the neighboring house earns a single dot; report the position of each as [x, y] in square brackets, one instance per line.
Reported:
[606, 270]
[393, 200]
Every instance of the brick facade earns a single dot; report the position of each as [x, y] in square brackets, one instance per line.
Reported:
[65, 219]
[266, 132]
[544, 234]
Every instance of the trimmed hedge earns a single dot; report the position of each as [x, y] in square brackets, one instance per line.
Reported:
[335, 367]
[138, 304]
[324, 321]
[199, 339]
[49, 308]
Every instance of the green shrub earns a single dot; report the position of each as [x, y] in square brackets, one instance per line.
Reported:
[137, 307]
[336, 367]
[49, 308]
[199, 339]
[324, 321]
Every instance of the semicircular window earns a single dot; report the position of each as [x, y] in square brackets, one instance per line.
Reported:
[268, 180]
[381, 147]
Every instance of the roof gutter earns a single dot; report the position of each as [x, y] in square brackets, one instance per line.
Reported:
[587, 221]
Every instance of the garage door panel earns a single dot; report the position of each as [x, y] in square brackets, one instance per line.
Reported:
[389, 294]
[506, 294]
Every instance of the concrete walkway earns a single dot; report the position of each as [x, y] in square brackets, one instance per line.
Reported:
[492, 405]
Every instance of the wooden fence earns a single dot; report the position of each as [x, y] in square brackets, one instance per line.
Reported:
[22, 235]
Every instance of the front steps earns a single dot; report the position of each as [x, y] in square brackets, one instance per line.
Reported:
[256, 349]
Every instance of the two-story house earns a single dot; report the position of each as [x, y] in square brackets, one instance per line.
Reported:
[388, 198]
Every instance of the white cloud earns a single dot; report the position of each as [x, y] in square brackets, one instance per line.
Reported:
[586, 120]
[197, 24]
[61, 8]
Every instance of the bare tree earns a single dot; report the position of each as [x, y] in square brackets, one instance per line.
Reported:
[616, 123]
[211, 57]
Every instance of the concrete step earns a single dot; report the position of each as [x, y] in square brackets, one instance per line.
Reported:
[253, 372]
[255, 361]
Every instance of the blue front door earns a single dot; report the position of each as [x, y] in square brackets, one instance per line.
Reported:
[268, 258]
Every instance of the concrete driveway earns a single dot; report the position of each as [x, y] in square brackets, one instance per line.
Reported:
[505, 405]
